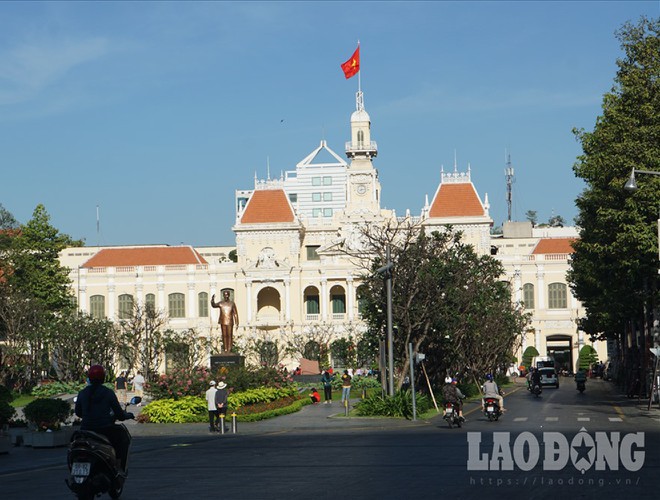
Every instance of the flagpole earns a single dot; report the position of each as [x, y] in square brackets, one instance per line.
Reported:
[360, 71]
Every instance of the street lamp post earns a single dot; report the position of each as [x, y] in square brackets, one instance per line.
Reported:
[631, 186]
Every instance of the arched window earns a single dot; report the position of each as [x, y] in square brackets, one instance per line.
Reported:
[125, 303]
[176, 303]
[312, 301]
[557, 296]
[97, 306]
[528, 295]
[360, 137]
[203, 304]
[150, 302]
[338, 300]
[268, 354]
[312, 350]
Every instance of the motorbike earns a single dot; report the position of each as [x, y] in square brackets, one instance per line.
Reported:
[536, 390]
[581, 386]
[492, 409]
[93, 464]
[451, 415]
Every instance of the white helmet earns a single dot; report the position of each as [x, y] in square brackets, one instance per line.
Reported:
[448, 380]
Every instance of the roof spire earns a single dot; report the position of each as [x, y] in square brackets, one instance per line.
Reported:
[268, 167]
[455, 162]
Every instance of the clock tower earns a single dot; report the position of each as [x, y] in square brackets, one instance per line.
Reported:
[363, 196]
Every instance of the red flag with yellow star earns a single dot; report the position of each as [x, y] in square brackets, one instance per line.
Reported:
[352, 66]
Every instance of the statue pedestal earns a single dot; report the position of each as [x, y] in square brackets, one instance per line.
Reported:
[227, 359]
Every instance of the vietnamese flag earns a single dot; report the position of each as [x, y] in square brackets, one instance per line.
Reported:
[352, 66]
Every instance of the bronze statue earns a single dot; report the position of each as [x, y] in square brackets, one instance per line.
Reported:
[228, 317]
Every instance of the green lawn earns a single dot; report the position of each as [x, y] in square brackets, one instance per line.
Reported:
[22, 400]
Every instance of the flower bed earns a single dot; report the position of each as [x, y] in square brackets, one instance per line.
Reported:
[251, 405]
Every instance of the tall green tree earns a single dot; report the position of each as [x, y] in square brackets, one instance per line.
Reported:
[35, 265]
[22, 352]
[615, 265]
[76, 341]
[142, 340]
[447, 301]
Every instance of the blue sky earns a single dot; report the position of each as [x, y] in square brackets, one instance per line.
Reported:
[158, 112]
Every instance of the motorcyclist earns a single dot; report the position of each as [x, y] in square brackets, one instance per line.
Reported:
[581, 376]
[99, 408]
[452, 394]
[535, 378]
[491, 390]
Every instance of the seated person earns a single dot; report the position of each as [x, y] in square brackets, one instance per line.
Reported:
[314, 395]
[491, 390]
[452, 394]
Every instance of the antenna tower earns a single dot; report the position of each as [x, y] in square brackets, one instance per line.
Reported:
[508, 174]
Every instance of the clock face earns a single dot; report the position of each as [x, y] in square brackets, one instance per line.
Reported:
[361, 189]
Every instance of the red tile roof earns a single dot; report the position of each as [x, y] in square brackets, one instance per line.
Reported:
[554, 245]
[267, 206]
[456, 200]
[145, 256]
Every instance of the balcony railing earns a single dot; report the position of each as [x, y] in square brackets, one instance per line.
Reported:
[361, 147]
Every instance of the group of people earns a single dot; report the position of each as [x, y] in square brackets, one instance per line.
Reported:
[121, 386]
[326, 379]
[216, 399]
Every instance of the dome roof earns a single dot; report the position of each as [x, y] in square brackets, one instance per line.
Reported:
[360, 116]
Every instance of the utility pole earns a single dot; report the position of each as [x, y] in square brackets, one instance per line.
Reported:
[386, 272]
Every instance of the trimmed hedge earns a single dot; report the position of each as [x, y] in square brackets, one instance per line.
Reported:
[251, 405]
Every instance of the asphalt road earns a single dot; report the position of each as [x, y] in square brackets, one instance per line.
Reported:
[311, 455]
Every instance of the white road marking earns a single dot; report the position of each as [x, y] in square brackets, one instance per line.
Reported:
[520, 419]
[551, 419]
[615, 419]
[584, 419]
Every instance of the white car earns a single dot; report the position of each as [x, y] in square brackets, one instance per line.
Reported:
[549, 377]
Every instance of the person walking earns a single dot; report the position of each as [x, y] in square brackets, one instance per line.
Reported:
[138, 386]
[326, 380]
[345, 387]
[214, 415]
[120, 387]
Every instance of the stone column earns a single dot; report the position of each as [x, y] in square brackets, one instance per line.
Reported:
[248, 304]
[350, 298]
[540, 282]
[324, 299]
[287, 300]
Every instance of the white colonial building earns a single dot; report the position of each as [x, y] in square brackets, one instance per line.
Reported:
[290, 276]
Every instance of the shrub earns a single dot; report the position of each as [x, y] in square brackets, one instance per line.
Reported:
[194, 409]
[6, 413]
[528, 355]
[399, 405]
[240, 379]
[6, 395]
[180, 383]
[187, 409]
[47, 413]
[587, 357]
[261, 395]
[56, 388]
[361, 382]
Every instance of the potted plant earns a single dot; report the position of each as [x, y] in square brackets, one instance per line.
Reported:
[17, 431]
[48, 415]
[7, 411]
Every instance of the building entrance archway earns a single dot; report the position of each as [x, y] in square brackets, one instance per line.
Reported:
[560, 348]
